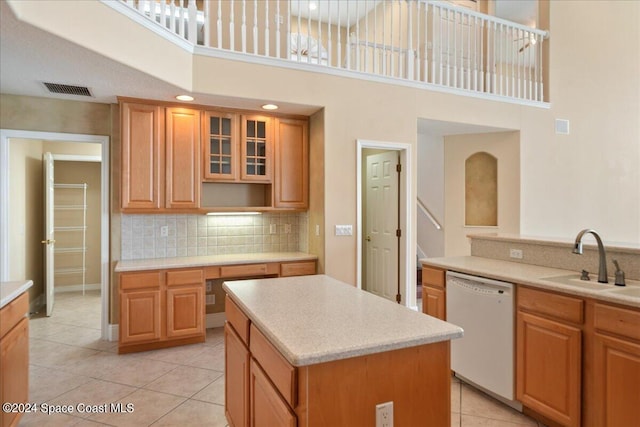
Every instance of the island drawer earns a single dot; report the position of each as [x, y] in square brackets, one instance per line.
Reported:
[617, 320]
[281, 373]
[297, 268]
[238, 319]
[553, 305]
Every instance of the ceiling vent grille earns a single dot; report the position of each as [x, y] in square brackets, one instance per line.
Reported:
[68, 89]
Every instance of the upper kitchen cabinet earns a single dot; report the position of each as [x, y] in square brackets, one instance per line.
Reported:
[183, 158]
[142, 156]
[220, 146]
[291, 164]
[256, 149]
[160, 158]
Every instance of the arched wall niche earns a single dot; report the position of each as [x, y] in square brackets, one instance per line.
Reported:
[481, 190]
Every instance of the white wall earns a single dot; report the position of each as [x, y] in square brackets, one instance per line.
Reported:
[430, 190]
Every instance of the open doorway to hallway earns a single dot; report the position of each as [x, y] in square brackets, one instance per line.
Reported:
[79, 212]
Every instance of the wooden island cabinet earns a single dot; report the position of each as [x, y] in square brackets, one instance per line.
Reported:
[434, 292]
[325, 375]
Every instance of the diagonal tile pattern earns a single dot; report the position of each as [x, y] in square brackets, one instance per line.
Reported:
[181, 386]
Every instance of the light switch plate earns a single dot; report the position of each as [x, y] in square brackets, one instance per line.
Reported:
[344, 230]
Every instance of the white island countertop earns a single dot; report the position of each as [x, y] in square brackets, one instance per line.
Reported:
[211, 260]
[316, 319]
[11, 290]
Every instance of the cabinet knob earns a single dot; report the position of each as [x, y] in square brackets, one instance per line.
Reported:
[368, 239]
[48, 241]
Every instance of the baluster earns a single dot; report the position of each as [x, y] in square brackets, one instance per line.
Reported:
[131, 4]
[494, 57]
[288, 51]
[299, 36]
[425, 56]
[449, 47]
[181, 19]
[439, 40]
[432, 78]
[163, 14]
[193, 21]
[152, 10]
[319, 35]
[520, 56]
[410, 51]
[172, 18]
[384, 38]
[308, 37]
[278, 29]
[366, 37]
[340, 62]
[467, 67]
[401, 60]
[540, 96]
[512, 62]
[243, 27]
[455, 48]
[141, 5]
[232, 27]
[266, 28]
[531, 69]
[391, 54]
[357, 37]
[255, 27]
[376, 60]
[219, 24]
[329, 32]
[205, 24]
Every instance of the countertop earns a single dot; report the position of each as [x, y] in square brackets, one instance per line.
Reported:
[211, 260]
[534, 276]
[11, 290]
[315, 319]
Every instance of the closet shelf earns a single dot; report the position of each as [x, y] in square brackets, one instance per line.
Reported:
[78, 202]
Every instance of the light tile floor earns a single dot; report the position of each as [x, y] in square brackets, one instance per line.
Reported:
[181, 386]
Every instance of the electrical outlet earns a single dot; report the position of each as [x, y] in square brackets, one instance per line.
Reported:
[515, 253]
[164, 231]
[384, 414]
[209, 287]
[317, 229]
[344, 230]
[287, 228]
[273, 228]
[211, 299]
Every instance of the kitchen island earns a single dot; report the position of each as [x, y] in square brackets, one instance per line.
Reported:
[313, 351]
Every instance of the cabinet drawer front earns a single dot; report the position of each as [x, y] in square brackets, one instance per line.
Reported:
[13, 312]
[298, 268]
[140, 280]
[619, 321]
[237, 318]
[281, 373]
[243, 270]
[553, 305]
[433, 276]
[185, 277]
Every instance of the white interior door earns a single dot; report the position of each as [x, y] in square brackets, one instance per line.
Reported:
[49, 235]
[381, 214]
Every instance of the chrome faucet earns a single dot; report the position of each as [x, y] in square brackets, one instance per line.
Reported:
[602, 267]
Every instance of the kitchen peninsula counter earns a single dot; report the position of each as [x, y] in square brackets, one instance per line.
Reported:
[314, 351]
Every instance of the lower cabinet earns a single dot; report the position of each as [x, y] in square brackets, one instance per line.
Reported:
[14, 357]
[433, 292]
[236, 384]
[616, 366]
[160, 309]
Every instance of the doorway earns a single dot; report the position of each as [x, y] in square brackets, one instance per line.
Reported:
[31, 139]
[393, 276]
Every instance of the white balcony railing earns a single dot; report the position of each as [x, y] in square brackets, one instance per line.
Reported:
[431, 42]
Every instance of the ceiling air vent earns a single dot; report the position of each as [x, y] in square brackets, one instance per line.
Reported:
[68, 89]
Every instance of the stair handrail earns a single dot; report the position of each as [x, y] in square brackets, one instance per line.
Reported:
[429, 215]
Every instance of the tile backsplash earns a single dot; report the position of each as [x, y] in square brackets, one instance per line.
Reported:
[193, 235]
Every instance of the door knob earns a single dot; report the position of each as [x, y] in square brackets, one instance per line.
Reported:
[368, 239]
[48, 241]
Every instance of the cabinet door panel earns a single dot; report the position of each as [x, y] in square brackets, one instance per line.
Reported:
[617, 381]
[548, 369]
[433, 302]
[185, 311]
[267, 406]
[14, 369]
[142, 145]
[291, 164]
[256, 149]
[236, 384]
[220, 147]
[183, 158]
[139, 316]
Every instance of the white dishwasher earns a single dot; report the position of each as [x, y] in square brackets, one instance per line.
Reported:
[484, 356]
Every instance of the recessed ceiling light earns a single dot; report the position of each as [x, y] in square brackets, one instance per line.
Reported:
[184, 98]
[313, 6]
[269, 107]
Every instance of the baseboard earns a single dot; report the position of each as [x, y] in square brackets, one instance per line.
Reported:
[76, 288]
[113, 332]
[215, 320]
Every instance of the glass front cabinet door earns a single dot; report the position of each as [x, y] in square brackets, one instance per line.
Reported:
[220, 147]
[256, 149]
